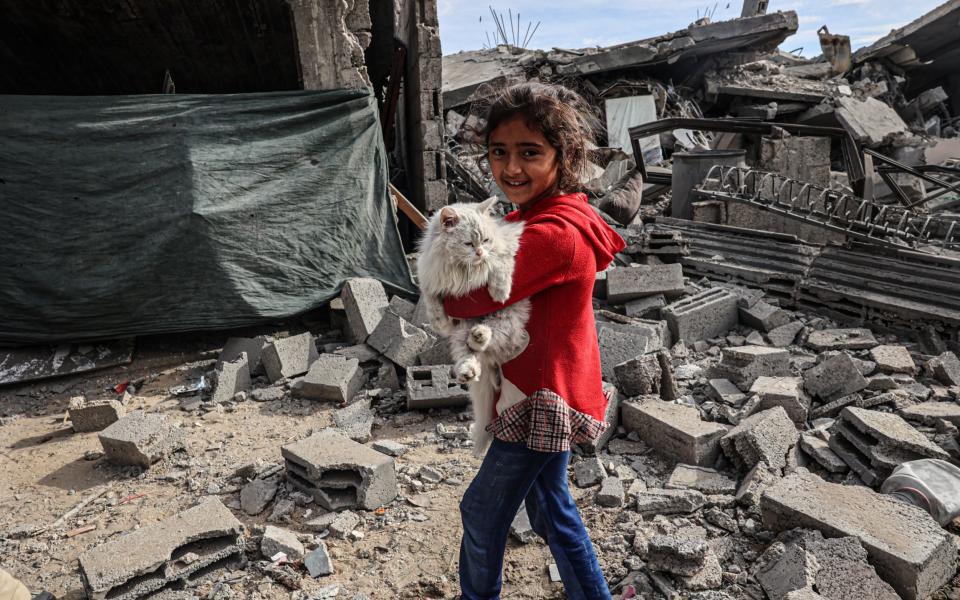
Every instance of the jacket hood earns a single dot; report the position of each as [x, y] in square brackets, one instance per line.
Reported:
[575, 210]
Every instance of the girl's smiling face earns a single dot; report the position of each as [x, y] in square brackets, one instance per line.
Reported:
[523, 162]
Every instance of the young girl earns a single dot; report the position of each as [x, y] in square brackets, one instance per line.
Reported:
[551, 395]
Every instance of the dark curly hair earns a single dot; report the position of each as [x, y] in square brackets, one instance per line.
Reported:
[559, 113]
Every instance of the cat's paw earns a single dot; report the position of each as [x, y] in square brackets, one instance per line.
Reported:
[479, 338]
[467, 370]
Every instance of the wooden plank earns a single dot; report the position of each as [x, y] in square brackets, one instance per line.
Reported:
[408, 209]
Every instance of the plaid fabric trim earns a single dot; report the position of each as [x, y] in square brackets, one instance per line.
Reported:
[546, 423]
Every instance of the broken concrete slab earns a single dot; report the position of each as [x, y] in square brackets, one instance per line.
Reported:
[318, 561]
[845, 573]
[276, 540]
[724, 391]
[520, 527]
[702, 479]
[754, 483]
[645, 308]
[742, 365]
[833, 378]
[433, 387]
[783, 336]
[766, 437]
[841, 339]
[93, 415]
[819, 450]
[629, 283]
[252, 347]
[945, 367]
[611, 493]
[355, 420]
[588, 472]
[929, 413]
[909, 550]
[678, 555]
[140, 439]
[619, 345]
[669, 502]
[148, 559]
[639, 376]
[870, 121]
[674, 430]
[340, 473]
[289, 357]
[399, 340]
[703, 316]
[782, 391]
[257, 494]
[783, 568]
[763, 316]
[230, 378]
[331, 377]
[364, 301]
[893, 359]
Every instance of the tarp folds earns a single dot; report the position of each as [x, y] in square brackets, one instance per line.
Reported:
[130, 215]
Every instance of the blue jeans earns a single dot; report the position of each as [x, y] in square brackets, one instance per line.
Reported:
[510, 474]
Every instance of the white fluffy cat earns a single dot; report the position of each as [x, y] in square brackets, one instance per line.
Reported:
[466, 248]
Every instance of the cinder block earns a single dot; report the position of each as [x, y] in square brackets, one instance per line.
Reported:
[331, 377]
[702, 316]
[146, 560]
[834, 378]
[629, 283]
[618, 345]
[253, 347]
[402, 307]
[140, 439]
[782, 391]
[743, 364]
[648, 307]
[364, 300]
[432, 387]
[340, 473]
[841, 339]
[399, 341]
[231, 376]
[93, 415]
[909, 550]
[674, 430]
[764, 437]
[763, 316]
[289, 357]
[640, 376]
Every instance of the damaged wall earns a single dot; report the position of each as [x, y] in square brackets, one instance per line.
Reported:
[331, 38]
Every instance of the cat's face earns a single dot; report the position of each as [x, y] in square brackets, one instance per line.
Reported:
[468, 231]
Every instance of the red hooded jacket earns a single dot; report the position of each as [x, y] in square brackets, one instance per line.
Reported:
[563, 245]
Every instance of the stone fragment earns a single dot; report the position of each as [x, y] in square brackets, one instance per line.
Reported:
[909, 550]
[835, 377]
[94, 415]
[144, 561]
[710, 576]
[648, 307]
[629, 283]
[674, 430]
[331, 377]
[252, 347]
[754, 338]
[702, 479]
[355, 420]
[783, 336]
[893, 359]
[520, 528]
[318, 561]
[268, 394]
[343, 523]
[871, 122]
[432, 387]
[845, 573]
[945, 367]
[364, 301]
[703, 316]
[611, 493]
[669, 502]
[588, 472]
[282, 509]
[784, 568]
[754, 484]
[289, 357]
[231, 377]
[361, 352]
[763, 316]
[742, 365]
[676, 554]
[841, 339]
[277, 540]
[436, 353]
[639, 376]
[618, 346]
[930, 413]
[140, 439]
[782, 391]
[611, 417]
[399, 341]
[402, 308]
[724, 391]
[257, 494]
[340, 473]
[717, 516]
[389, 447]
[834, 407]
[819, 450]
[766, 437]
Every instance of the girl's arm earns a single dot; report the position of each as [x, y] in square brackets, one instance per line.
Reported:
[543, 259]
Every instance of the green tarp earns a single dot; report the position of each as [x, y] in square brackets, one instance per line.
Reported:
[131, 215]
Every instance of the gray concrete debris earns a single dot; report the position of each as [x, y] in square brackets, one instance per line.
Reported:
[833, 378]
[343, 523]
[432, 387]
[93, 415]
[437, 353]
[819, 450]
[630, 283]
[252, 347]
[145, 560]
[588, 472]
[674, 430]
[782, 391]
[720, 518]
[520, 528]
[361, 352]
[268, 394]
[870, 121]
[289, 357]
[763, 316]
[355, 420]
[930, 413]
[893, 359]
[724, 391]
[386, 377]
[710, 576]
[841, 339]
[874, 443]
[845, 573]
[907, 547]
[340, 473]
[231, 377]
[257, 494]
[676, 554]
[742, 365]
[389, 447]
[364, 301]
[669, 502]
[754, 484]
[702, 479]
[611, 493]
[399, 341]
[277, 540]
[766, 437]
[140, 439]
[783, 568]
[402, 308]
[331, 377]
[620, 345]
[639, 376]
[945, 367]
[282, 509]
[703, 316]
[611, 417]
[785, 335]
[645, 308]
[318, 561]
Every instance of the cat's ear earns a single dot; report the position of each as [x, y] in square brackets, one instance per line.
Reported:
[487, 205]
[449, 217]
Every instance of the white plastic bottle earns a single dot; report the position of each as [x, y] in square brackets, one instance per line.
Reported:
[931, 484]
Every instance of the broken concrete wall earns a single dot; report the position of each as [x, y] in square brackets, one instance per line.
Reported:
[331, 38]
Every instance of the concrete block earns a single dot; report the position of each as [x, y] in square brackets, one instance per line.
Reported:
[678, 555]
[611, 493]
[140, 439]
[930, 413]
[909, 550]
[149, 559]
[94, 415]
[399, 341]
[331, 377]
[674, 430]
[647, 307]
[588, 472]
[754, 483]
[289, 357]
[763, 316]
[629, 283]
[893, 359]
[340, 473]
[389, 447]
[432, 387]
[253, 347]
[833, 378]
[355, 420]
[318, 561]
[257, 494]
[437, 353]
[743, 364]
[669, 502]
[723, 390]
[386, 377]
[841, 339]
[845, 573]
[703, 316]
[363, 353]
[276, 539]
[702, 479]
[782, 391]
[945, 367]
[784, 568]
[402, 307]
[618, 346]
[764, 437]
[364, 301]
[231, 377]
[611, 417]
[785, 335]
[819, 450]
[639, 376]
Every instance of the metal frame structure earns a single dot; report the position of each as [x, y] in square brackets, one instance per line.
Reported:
[889, 166]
